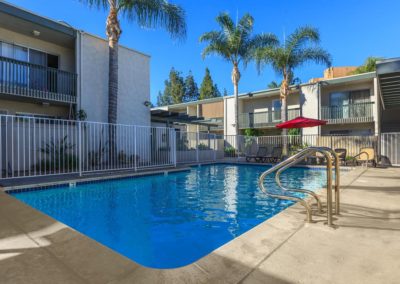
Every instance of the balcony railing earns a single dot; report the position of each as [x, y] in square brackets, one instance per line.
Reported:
[264, 119]
[218, 124]
[352, 113]
[30, 80]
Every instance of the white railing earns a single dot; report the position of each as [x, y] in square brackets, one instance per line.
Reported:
[195, 147]
[390, 148]
[31, 146]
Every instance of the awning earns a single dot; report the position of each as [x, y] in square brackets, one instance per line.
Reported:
[159, 115]
[388, 72]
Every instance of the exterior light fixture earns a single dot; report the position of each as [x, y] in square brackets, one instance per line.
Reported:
[250, 94]
[148, 104]
[36, 33]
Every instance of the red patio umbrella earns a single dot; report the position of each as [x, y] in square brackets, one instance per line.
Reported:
[301, 122]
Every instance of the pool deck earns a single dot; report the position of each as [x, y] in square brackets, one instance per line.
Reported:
[363, 247]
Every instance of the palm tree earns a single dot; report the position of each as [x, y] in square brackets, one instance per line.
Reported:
[147, 13]
[301, 47]
[235, 44]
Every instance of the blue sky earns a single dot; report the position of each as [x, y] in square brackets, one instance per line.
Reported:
[350, 30]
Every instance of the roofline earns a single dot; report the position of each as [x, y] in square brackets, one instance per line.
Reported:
[351, 78]
[32, 17]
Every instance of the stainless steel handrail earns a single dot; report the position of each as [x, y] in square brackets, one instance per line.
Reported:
[327, 152]
[337, 177]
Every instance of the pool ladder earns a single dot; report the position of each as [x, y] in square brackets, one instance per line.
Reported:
[330, 156]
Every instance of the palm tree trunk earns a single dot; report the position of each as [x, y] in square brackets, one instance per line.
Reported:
[235, 81]
[284, 93]
[113, 32]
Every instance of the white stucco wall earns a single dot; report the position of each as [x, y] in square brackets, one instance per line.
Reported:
[133, 85]
[310, 104]
[229, 109]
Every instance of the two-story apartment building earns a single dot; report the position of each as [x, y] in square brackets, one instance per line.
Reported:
[349, 103]
[50, 69]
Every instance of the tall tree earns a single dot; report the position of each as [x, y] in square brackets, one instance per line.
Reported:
[174, 89]
[207, 88]
[177, 86]
[191, 89]
[164, 98]
[147, 13]
[301, 47]
[235, 44]
[369, 65]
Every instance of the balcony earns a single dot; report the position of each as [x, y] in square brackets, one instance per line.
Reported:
[217, 122]
[264, 119]
[353, 113]
[19, 78]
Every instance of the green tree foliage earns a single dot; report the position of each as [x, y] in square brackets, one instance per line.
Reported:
[191, 89]
[275, 85]
[208, 89]
[177, 86]
[368, 66]
[174, 89]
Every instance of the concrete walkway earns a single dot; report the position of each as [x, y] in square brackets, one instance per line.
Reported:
[364, 247]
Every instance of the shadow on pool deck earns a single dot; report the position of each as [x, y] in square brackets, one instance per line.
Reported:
[362, 248]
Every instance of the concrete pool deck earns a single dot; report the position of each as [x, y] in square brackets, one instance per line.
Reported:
[363, 247]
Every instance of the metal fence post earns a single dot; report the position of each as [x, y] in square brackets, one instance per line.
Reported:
[174, 145]
[80, 147]
[215, 147]
[197, 147]
[134, 149]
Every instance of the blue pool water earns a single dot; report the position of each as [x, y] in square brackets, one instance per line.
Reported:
[170, 221]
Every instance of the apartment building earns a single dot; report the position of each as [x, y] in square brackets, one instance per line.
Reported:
[50, 69]
[350, 104]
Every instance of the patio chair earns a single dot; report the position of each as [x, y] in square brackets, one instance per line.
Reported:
[259, 157]
[342, 154]
[365, 157]
[275, 156]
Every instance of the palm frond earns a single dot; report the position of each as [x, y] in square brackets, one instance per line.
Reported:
[226, 24]
[148, 13]
[311, 54]
[302, 36]
[155, 13]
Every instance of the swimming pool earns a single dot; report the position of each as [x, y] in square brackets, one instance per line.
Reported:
[168, 221]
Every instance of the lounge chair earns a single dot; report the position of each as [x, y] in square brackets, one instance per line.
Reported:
[366, 156]
[260, 156]
[275, 156]
[342, 153]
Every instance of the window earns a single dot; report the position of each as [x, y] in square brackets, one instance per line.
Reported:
[276, 107]
[350, 104]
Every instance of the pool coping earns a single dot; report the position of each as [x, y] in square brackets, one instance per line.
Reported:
[65, 181]
[229, 263]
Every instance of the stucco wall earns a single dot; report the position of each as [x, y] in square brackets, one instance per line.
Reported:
[133, 85]
[309, 106]
[14, 106]
[66, 55]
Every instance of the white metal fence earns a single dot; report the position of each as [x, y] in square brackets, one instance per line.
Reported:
[31, 146]
[390, 148]
[41, 146]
